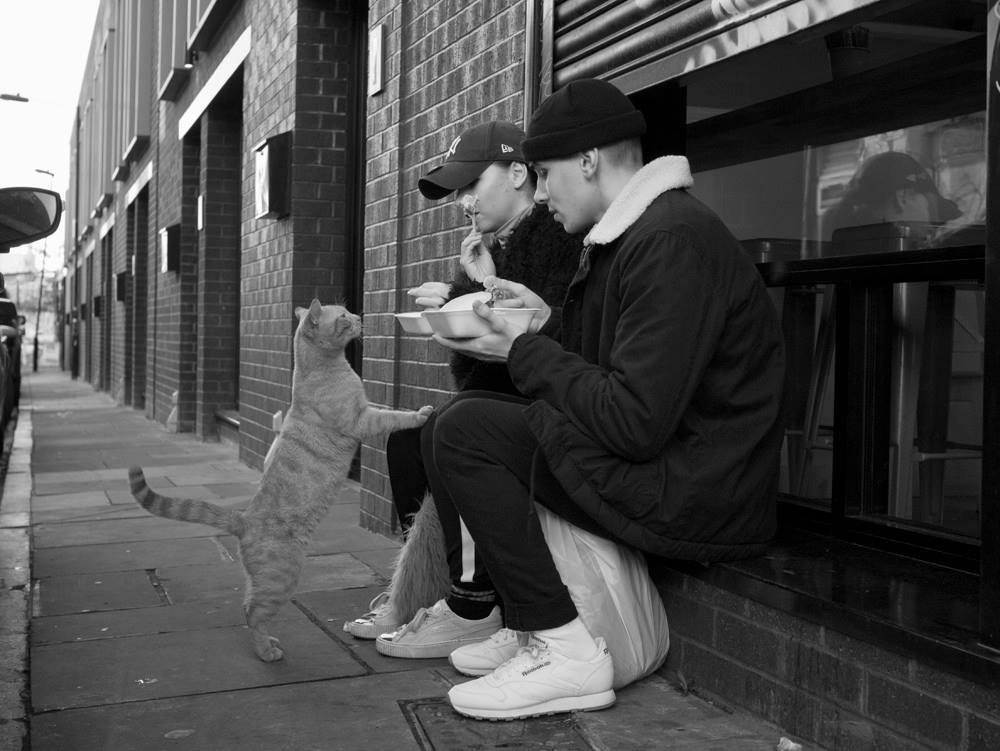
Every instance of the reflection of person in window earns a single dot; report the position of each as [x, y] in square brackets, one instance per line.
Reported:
[892, 187]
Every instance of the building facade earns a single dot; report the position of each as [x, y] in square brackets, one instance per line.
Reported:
[234, 159]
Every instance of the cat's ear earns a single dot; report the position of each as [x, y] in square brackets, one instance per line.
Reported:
[315, 311]
[299, 312]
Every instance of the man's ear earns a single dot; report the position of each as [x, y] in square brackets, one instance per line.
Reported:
[589, 161]
[517, 172]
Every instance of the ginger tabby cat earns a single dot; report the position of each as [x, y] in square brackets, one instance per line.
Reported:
[328, 417]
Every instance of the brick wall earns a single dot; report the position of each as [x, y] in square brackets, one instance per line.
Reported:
[447, 67]
[819, 684]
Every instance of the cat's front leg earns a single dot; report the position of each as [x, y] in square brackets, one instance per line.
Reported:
[374, 421]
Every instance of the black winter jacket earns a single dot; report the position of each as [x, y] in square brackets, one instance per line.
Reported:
[540, 255]
[658, 408]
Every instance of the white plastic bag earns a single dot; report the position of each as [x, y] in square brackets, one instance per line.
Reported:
[612, 591]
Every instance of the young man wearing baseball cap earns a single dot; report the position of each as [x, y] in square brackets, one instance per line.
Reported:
[485, 173]
[892, 187]
[653, 412]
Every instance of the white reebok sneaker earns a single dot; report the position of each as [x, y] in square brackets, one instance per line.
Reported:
[538, 681]
[484, 657]
[437, 632]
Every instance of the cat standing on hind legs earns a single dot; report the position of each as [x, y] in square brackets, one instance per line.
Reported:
[328, 418]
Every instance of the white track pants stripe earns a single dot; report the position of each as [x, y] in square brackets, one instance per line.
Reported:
[468, 553]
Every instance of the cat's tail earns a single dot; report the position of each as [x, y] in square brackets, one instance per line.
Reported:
[184, 509]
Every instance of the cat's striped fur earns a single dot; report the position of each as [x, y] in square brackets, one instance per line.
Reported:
[328, 417]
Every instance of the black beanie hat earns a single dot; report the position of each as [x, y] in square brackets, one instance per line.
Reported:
[579, 116]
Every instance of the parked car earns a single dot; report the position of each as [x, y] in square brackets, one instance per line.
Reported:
[26, 215]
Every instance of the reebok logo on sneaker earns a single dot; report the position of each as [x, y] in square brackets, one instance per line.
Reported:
[539, 666]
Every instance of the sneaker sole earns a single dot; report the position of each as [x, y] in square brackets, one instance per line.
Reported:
[367, 631]
[471, 671]
[424, 651]
[588, 703]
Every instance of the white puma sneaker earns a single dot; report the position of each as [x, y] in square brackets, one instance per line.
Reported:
[436, 632]
[538, 681]
[484, 657]
[378, 620]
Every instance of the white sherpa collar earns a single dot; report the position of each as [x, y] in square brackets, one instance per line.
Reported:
[660, 175]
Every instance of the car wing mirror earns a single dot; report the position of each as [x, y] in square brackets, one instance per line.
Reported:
[26, 215]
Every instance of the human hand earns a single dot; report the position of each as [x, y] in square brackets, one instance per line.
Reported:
[493, 346]
[430, 294]
[475, 259]
[507, 294]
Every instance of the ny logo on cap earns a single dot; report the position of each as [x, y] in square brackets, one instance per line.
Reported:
[454, 145]
[505, 149]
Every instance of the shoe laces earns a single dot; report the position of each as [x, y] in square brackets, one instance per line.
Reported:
[526, 657]
[378, 606]
[417, 621]
[501, 636]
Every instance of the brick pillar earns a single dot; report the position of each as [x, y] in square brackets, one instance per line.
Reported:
[139, 298]
[87, 318]
[107, 310]
[187, 311]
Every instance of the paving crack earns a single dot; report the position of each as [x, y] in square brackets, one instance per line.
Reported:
[157, 585]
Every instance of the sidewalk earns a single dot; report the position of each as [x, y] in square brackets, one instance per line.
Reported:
[136, 632]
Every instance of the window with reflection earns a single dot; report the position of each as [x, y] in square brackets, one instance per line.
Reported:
[821, 148]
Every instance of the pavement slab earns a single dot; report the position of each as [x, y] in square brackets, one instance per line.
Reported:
[58, 501]
[330, 608]
[188, 616]
[200, 582]
[146, 527]
[382, 560]
[88, 513]
[52, 486]
[84, 593]
[180, 663]
[340, 715]
[127, 556]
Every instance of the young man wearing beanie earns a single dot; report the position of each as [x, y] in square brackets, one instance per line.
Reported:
[485, 173]
[652, 409]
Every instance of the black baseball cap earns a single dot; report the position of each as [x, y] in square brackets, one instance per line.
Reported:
[470, 154]
[892, 170]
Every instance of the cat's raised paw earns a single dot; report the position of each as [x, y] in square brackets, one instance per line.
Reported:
[425, 411]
